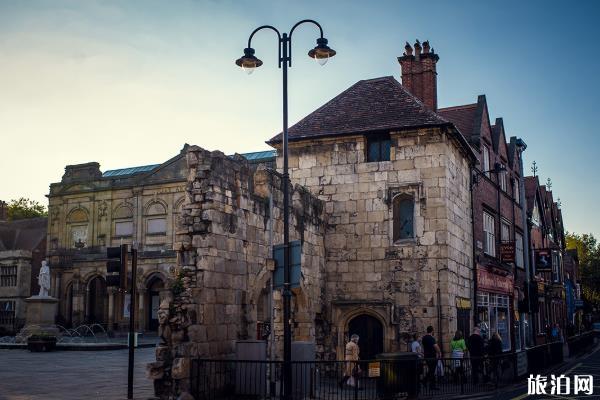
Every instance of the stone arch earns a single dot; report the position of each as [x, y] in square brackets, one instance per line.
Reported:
[378, 313]
[153, 293]
[78, 215]
[177, 207]
[155, 207]
[153, 274]
[96, 305]
[123, 211]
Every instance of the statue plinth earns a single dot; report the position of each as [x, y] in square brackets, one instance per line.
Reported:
[41, 311]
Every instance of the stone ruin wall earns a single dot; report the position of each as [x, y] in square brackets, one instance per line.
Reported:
[366, 271]
[225, 261]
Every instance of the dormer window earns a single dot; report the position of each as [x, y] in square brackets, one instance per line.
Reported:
[378, 147]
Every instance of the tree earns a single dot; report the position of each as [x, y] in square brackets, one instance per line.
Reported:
[25, 208]
[588, 252]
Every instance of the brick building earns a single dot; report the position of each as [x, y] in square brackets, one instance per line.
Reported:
[497, 220]
[548, 249]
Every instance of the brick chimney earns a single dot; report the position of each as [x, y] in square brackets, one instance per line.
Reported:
[419, 75]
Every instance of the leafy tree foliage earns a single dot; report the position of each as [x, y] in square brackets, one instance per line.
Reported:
[588, 251]
[25, 208]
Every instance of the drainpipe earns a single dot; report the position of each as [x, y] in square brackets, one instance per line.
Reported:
[439, 310]
[521, 146]
[271, 312]
[474, 247]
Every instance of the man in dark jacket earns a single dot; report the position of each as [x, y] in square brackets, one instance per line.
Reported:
[476, 347]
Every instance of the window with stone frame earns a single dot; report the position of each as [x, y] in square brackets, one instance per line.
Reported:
[378, 147]
[516, 191]
[8, 275]
[505, 231]
[404, 218]
[156, 219]
[7, 312]
[486, 161]
[123, 220]
[519, 257]
[502, 178]
[489, 235]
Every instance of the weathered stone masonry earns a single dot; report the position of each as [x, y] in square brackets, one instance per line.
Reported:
[224, 247]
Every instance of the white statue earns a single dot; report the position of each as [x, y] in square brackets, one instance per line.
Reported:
[44, 280]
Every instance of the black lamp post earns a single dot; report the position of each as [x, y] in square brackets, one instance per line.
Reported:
[248, 62]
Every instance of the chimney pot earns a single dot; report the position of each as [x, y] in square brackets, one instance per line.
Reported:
[426, 47]
[409, 49]
[417, 47]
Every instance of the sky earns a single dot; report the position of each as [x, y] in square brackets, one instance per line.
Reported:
[128, 83]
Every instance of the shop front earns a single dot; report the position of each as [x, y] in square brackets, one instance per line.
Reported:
[494, 298]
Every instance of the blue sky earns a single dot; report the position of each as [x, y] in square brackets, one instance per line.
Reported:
[129, 82]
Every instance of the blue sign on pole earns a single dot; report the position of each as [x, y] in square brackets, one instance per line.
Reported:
[295, 261]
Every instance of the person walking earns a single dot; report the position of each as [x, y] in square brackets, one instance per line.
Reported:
[458, 347]
[494, 353]
[351, 357]
[475, 347]
[431, 352]
[415, 345]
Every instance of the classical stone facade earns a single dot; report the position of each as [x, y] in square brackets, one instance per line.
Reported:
[89, 211]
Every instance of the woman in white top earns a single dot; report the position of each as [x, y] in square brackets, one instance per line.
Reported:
[415, 346]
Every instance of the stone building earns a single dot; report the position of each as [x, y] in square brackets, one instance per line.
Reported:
[381, 209]
[22, 249]
[90, 210]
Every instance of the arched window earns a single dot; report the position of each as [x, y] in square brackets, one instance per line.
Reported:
[78, 227]
[156, 219]
[404, 206]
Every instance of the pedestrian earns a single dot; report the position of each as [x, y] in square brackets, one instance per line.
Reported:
[458, 348]
[494, 353]
[351, 368]
[475, 347]
[415, 345]
[431, 352]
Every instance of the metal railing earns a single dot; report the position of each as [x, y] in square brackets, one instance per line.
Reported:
[341, 380]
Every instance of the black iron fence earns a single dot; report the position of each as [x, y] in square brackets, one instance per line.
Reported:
[580, 343]
[340, 380]
[382, 379]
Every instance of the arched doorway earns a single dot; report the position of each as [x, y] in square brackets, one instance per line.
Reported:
[370, 331]
[155, 285]
[97, 301]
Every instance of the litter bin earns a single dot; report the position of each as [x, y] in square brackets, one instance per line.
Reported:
[397, 374]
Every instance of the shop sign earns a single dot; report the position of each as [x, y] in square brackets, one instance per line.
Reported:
[507, 252]
[374, 370]
[543, 259]
[541, 287]
[461, 302]
[494, 283]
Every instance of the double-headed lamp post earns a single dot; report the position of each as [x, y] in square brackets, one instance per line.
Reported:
[248, 62]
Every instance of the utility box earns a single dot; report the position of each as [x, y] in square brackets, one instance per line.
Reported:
[251, 373]
[304, 369]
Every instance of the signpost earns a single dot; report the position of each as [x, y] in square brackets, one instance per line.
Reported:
[507, 251]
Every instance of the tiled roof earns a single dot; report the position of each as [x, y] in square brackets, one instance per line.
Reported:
[463, 117]
[129, 171]
[22, 234]
[367, 106]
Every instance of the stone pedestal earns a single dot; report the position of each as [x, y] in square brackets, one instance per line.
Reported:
[41, 312]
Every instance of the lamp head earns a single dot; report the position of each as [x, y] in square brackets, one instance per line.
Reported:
[321, 53]
[248, 62]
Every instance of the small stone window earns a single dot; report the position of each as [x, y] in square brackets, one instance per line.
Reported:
[404, 207]
[378, 147]
[8, 276]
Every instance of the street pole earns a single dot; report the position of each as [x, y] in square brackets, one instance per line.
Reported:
[321, 53]
[132, 324]
[287, 293]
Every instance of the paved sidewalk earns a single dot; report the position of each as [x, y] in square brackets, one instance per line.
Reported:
[72, 375]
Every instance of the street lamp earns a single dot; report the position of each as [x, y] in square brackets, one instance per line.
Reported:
[248, 62]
